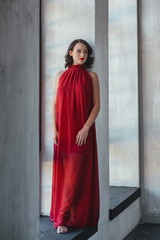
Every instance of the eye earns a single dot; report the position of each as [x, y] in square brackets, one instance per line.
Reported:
[78, 51]
[86, 52]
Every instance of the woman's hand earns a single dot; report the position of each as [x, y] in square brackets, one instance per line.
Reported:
[55, 138]
[82, 136]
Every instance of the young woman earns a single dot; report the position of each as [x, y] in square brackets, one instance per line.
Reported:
[75, 187]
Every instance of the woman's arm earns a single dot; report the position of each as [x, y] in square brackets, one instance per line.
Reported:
[55, 131]
[83, 133]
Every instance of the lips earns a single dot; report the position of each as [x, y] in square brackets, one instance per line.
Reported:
[81, 58]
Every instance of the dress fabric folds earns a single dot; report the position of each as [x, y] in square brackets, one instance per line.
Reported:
[75, 186]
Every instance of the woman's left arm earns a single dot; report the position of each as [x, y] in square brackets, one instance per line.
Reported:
[83, 133]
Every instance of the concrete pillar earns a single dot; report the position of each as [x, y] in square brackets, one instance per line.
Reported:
[101, 64]
[149, 28]
[19, 120]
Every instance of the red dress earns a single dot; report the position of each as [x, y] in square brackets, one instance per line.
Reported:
[75, 186]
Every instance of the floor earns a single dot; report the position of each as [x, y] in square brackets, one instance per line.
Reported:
[145, 232]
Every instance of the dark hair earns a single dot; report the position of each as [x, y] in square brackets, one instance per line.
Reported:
[69, 59]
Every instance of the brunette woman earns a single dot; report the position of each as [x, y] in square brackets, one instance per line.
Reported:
[75, 186]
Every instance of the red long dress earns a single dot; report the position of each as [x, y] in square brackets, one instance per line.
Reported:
[75, 186]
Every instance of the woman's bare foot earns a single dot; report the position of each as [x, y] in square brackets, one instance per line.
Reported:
[62, 229]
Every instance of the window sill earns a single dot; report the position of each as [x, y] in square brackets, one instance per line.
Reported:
[47, 231]
[121, 198]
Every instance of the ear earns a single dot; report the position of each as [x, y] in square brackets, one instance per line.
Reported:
[70, 52]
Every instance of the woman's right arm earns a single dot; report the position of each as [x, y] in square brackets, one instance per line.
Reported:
[55, 131]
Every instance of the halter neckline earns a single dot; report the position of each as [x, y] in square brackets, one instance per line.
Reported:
[76, 67]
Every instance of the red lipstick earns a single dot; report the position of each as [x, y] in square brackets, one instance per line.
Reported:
[81, 58]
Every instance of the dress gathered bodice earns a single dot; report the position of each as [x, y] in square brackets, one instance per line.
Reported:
[74, 103]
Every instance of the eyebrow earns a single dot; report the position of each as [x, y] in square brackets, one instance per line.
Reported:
[81, 49]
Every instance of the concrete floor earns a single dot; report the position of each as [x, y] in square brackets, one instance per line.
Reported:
[145, 232]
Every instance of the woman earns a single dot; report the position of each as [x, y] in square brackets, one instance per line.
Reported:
[75, 188]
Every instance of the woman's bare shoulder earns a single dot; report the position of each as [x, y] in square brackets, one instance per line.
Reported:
[93, 74]
[59, 74]
[57, 77]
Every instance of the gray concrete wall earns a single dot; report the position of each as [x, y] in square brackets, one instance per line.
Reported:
[150, 108]
[19, 120]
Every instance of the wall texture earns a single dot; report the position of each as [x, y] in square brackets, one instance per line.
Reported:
[150, 108]
[19, 120]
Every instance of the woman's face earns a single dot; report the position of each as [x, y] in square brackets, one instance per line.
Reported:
[79, 54]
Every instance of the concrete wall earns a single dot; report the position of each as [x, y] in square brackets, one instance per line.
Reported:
[19, 120]
[150, 108]
[63, 22]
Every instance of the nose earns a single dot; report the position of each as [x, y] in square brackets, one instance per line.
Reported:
[82, 54]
